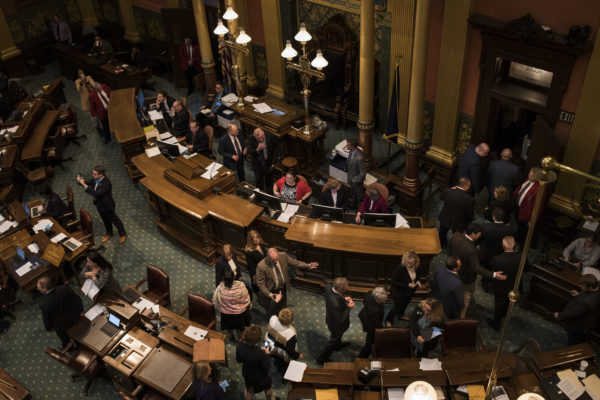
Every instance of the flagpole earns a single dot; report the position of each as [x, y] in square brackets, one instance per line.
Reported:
[393, 102]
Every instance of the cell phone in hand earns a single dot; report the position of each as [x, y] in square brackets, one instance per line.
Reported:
[224, 384]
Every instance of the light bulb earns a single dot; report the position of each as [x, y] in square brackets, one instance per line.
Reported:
[302, 36]
[319, 62]
[289, 52]
[243, 37]
[230, 14]
[221, 29]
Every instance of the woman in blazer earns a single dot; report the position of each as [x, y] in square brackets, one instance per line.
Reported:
[334, 194]
[256, 250]
[404, 284]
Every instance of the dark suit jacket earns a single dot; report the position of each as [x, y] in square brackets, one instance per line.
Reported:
[222, 265]
[371, 316]
[61, 308]
[357, 169]
[199, 142]
[508, 263]
[502, 173]
[581, 313]
[463, 248]
[490, 244]
[473, 167]
[104, 49]
[255, 365]
[400, 281]
[258, 157]
[450, 293]
[457, 211]
[169, 103]
[184, 57]
[342, 201]
[102, 194]
[54, 206]
[337, 311]
[254, 257]
[227, 150]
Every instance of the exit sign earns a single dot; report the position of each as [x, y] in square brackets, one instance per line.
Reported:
[566, 116]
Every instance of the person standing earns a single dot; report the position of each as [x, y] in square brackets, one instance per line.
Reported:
[256, 251]
[457, 211]
[492, 234]
[371, 317]
[502, 173]
[472, 166]
[189, 59]
[233, 150]
[84, 83]
[337, 316]
[232, 300]
[581, 313]
[99, 97]
[525, 196]
[61, 308]
[427, 315]
[356, 168]
[450, 289]
[181, 118]
[61, 31]
[272, 279]
[100, 188]
[404, 284]
[205, 388]
[227, 262]
[508, 263]
[255, 363]
[264, 149]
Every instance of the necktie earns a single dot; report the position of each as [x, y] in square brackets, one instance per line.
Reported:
[265, 149]
[238, 149]
[279, 281]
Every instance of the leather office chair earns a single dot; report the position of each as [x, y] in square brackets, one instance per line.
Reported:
[86, 232]
[138, 395]
[461, 336]
[84, 362]
[200, 310]
[392, 343]
[158, 286]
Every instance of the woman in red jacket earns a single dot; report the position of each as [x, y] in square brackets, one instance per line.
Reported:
[292, 189]
[99, 98]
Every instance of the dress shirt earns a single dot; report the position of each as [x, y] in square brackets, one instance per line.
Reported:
[232, 266]
[190, 52]
[334, 197]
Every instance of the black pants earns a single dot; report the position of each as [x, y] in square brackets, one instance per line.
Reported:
[500, 307]
[241, 172]
[522, 232]
[103, 129]
[263, 177]
[64, 339]
[366, 350]
[444, 235]
[109, 218]
[334, 343]
[189, 75]
[274, 308]
[400, 304]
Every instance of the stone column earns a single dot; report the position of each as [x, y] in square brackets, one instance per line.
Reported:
[447, 99]
[88, 15]
[233, 26]
[10, 54]
[583, 138]
[249, 76]
[273, 47]
[366, 79]
[131, 33]
[207, 60]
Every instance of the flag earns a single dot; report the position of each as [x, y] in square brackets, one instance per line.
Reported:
[392, 120]
[226, 65]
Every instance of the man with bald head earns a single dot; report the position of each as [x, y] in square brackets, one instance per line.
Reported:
[472, 166]
[233, 150]
[264, 149]
[503, 173]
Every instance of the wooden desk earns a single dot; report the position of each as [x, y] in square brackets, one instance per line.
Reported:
[319, 378]
[88, 333]
[472, 368]
[35, 110]
[122, 118]
[309, 150]
[131, 77]
[32, 151]
[8, 163]
[11, 389]
[156, 361]
[550, 288]
[565, 356]
[269, 122]
[54, 93]
[408, 372]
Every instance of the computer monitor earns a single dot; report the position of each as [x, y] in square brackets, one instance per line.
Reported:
[268, 201]
[113, 319]
[386, 220]
[170, 149]
[327, 213]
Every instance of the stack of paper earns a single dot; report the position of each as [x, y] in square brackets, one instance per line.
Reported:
[569, 384]
[58, 238]
[212, 170]
[90, 289]
[165, 136]
[170, 140]
[592, 386]
[6, 225]
[401, 222]
[262, 108]
[42, 225]
[155, 115]
[229, 99]
[93, 312]
[290, 211]
[153, 151]
[34, 248]
[12, 129]
[249, 99]
[195, 333]
[430, 364]
[142, 303]
[295, 371]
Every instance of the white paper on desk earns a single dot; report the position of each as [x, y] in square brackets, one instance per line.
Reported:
[25, 268]
[182, 149]
[58, 238]
[401, 222]
[153, 151]
[4, 226]
[188, 156]
[90, 289]
[430, 364]
[250, 99]
[227, 112]
[570, 389]
[393, 370]
[395, 393]
[290, 211]
[2, 218]
[93, 312]
[195, 333]
[229, 99]
[156, 309]
[155, 115]
[165, 136]
[591, 225]
[34, 248]
[42, 225]
[262, 108]
[142, 303]
[592, 386]
[170, 140]
[212, 169]
[14, 224]
[295, 371]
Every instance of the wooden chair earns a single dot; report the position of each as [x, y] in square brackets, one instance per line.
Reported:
[392, 343]
[84, 362]
[69, 217]
[526, 352]
[158, 286]
[86, 233]
[461, 336]
[35, 176]
[200, 310]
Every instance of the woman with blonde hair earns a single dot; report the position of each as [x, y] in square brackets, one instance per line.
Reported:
[256, 250]
[205, 389]
[283, 337]
[425, 318]
[404, 284]
[334, 194]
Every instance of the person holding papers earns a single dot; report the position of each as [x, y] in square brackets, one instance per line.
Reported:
[99, 98]
[61, 308]
[292, 189]
[164, 103]
[200, 140]
[100, 272]
[424, 323]
[233, 149]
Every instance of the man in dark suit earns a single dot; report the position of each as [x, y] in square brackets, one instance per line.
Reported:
[164, 104]
[525, 196]
[508, 263]
[264, 150]
[233, 150]
[457, 210]
[101, 190]
[502, 173]
[60, 306]
[492, 234]
[472, 166]
[356, 168]
[189, 59]
[463, 246]
[450, 290]
[334, 194]
[581, 313]
[227, 262]
[337, 308]
[102, 49]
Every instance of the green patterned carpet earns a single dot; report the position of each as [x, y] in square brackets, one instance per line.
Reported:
[22, 349]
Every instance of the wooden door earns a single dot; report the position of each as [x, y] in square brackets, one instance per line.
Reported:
[179, 23]
[544, 142]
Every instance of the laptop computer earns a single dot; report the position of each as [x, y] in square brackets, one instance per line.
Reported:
[18, 258]
[129, 295]
[112, 326]
[72, 244]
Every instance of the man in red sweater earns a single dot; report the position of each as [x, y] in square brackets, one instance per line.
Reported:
[189, 59]
[99, 98]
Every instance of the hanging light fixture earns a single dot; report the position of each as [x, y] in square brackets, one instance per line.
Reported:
[289, 52]
[230, 14]
[319, 62]
[302, 36]
[243, 37]
[221, 29]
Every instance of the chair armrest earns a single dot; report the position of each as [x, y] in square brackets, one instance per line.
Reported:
[184, 311]
[90, 363]
[140, 283]
[212, 324]
[164, 296]
[72, 224]
[67, 348]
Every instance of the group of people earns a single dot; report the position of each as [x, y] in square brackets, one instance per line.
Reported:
[95, 97]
